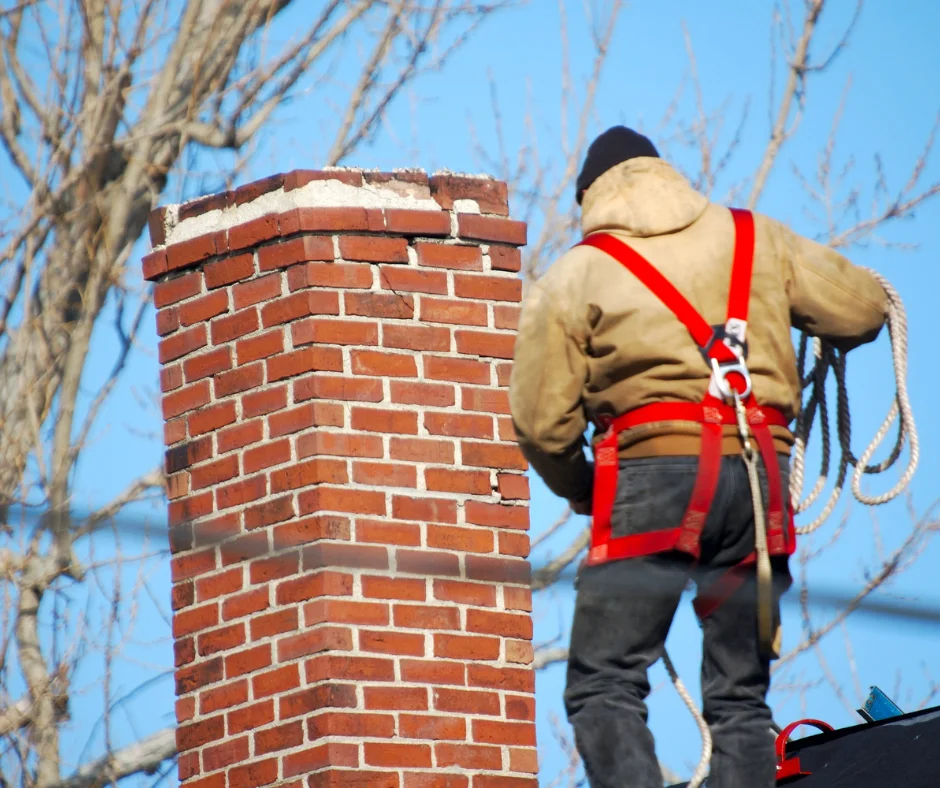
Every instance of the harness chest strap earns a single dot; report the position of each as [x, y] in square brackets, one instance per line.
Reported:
[729, 371]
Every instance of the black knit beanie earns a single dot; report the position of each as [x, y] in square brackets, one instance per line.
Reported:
[614, 146]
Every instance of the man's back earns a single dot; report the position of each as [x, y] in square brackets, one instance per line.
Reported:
[593, 341]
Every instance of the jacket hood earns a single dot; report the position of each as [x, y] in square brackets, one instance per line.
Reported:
[641, 197]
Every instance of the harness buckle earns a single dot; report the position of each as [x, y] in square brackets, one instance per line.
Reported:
[720, 371]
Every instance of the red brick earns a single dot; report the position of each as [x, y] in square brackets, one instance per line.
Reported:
[500, 781]
[485, 400]
[203, 309]
[385, 532]
[467, 756]
[485, 228]
[396, 698]
[253, 232]
[495, 732]
[339, 275]
[296, 179]
[488, 288]
[506, 316]
[181, 344]
[197, 734]
[355, 668]
[519, 651]
[332, 219]
[513, 486]
[311, 529]
[390, 754]
[198, 676]
[506, 679]
[497, 515]
[393, 588]
[202, 205]
[498, 570]
[190, 565]
[385, 306]
[309, 359]
[458, 425]
[154, 263]
[435, 510]
[304, 474]
[435, 780]
[281, 737]
[517, 598]
[358, 725]
[426, 617]
[323, 696]
[268, 400]
[264, 570]
[248, 661]
[185, 399]
[212, 418]
[296, 250]
[431, 727]
[341, 500]
[428, 562]
[252, 191]
[224, 639]
[195, 619]
[229, 271]
[315, 414]
[472, 540]
[505, 430]
[325, 331]
[257, 290]
[276, 623]
[216, 585]
[250, 717]
[371, 362]
[168, 320]
[404, 337]
[225, 754]
[522, 760]
[424, 223]
[185, 709]
[340, 444]
[184, 651]
[276, 681]
[446, 480]
[240, 435]
[207, 364]
[412, 280]
[514, 544]
[510, 625]
[261, 346]
[183, 595]
[338, 388]
[373, 250]
[245, 604]
[186, 253]
[490, 195]
[385, 474]
[487, 455]
[434, 671]
[334, 754]
[174, 431]
[436, 395]
[466, 647]
[335, 611]
[421, 450]
[485, 343]
[253, 775]
[261, 457]
[464, 593]
[463, 258]
[401, 422]
[179, 288]
[225, 329]
[439, 310]
[459, 370]
[400, 643]
[457, 701]
[505, 258]
[214, 472]
[315, 641]
[298, 305]
[324, 554]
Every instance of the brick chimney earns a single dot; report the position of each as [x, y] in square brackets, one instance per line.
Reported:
[348, 510]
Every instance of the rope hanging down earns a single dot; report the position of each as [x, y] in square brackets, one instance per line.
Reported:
[827, 358]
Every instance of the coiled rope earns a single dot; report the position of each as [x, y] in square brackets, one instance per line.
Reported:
[829, 359]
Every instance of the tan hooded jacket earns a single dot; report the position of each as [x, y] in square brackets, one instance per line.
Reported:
[593, 340]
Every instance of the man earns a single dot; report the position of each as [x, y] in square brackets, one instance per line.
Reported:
[597, 341]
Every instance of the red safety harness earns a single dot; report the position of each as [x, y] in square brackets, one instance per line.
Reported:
[724, 348]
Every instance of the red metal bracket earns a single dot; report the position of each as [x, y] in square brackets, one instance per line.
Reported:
[788, 768]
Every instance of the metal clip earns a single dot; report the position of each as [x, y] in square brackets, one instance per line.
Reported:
[719, 376]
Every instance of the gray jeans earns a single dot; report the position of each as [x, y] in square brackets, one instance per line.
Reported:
[623, 613]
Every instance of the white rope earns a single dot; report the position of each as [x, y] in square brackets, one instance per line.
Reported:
[701, 771]
[827, 358]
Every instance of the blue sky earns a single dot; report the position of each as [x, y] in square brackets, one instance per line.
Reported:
[893, 63]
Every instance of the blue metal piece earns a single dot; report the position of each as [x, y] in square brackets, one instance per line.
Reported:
[879, 707]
